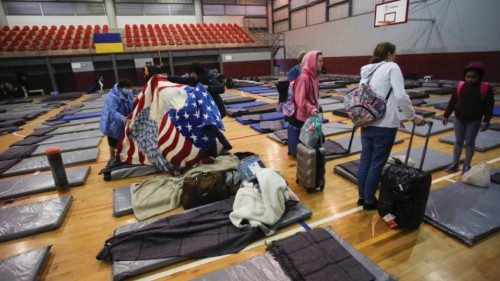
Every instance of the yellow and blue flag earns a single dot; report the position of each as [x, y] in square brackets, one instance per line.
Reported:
[108, 43]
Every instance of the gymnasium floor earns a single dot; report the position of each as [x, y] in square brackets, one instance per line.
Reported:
[424, 254]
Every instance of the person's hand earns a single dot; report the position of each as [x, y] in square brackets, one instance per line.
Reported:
[419, 121]
[484, 126]
[445, 121]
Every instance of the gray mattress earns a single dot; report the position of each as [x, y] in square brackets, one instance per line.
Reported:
[326, 101]
[69, 145]
[125, 269]
[122, 204]
[265, 267]
[76, 122]
[72, 137]
[335, 128]
[331, 107]
[437, 128]
[25, 266]
[434, 101]
[434, 160]
[274, 137]
[20, 186]
[464, 211]
[39, 163]
[355, 147]
[33, 218]
[75, 129]
[258, 268]
[485, 141]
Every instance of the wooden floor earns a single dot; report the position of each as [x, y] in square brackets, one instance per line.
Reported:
[424, 254]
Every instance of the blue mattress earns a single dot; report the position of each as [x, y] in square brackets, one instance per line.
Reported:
[263, 117]
[253, 89]
[262, 91]
[245, 104]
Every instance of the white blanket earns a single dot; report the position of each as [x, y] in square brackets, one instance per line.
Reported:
[264, 207]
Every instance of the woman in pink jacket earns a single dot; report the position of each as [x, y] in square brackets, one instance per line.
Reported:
[305, 94]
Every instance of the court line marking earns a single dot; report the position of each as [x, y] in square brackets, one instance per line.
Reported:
[275, 237]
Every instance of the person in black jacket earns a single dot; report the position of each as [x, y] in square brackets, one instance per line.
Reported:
[473, 103]
[198, 74]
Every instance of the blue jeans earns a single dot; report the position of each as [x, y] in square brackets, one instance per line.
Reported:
[376, 143]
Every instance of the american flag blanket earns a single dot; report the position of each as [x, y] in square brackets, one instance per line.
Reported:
[169, 126]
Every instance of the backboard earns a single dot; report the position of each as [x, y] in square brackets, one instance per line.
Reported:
[393, 12]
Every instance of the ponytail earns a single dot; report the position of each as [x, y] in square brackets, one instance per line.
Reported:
[382, 51]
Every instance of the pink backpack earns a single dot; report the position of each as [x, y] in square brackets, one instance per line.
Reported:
[483, 88]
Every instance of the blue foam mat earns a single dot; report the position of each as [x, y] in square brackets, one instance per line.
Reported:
[245, 104]
[263, 117]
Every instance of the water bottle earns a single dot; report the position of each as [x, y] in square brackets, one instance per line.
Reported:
[57, 167]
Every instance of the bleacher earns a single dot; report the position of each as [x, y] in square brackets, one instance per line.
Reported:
[42, 40]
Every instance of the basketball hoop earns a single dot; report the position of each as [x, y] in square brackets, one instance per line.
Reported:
[384, 23]
[390, 13]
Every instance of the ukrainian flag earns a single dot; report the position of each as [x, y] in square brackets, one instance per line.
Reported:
[108, 43]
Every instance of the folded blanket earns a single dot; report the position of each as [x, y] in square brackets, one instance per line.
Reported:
[163, 193]
[316, 255]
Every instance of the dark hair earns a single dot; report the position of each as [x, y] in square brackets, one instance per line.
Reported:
[382, 51]
[196, 67]
[163, 68]
[124, 83]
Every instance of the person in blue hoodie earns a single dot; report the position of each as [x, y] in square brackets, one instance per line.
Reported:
[295, 71]
[118, 104]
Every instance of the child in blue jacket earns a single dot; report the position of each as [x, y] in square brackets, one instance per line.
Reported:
[117, 105]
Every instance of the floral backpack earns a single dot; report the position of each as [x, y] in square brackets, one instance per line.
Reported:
[364, 106]
[288, 106]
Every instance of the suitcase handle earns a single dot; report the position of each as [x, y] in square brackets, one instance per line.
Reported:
[427, 137]
[350, 141]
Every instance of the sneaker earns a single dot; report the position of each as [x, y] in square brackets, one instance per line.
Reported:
[465, 168]
[372, 206]
[360, 202]
[452, 168]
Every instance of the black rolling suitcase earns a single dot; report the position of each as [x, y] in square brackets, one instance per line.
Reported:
[404, 191]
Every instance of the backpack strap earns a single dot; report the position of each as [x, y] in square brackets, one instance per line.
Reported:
[483, 88]
[373, 72]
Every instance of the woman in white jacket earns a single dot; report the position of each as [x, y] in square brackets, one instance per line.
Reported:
[378, 138]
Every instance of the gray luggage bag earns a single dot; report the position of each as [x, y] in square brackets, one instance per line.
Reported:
[310, 168]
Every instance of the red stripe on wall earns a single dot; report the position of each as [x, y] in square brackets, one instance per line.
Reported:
[439, 65]
[84, 80]
[247, 68]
